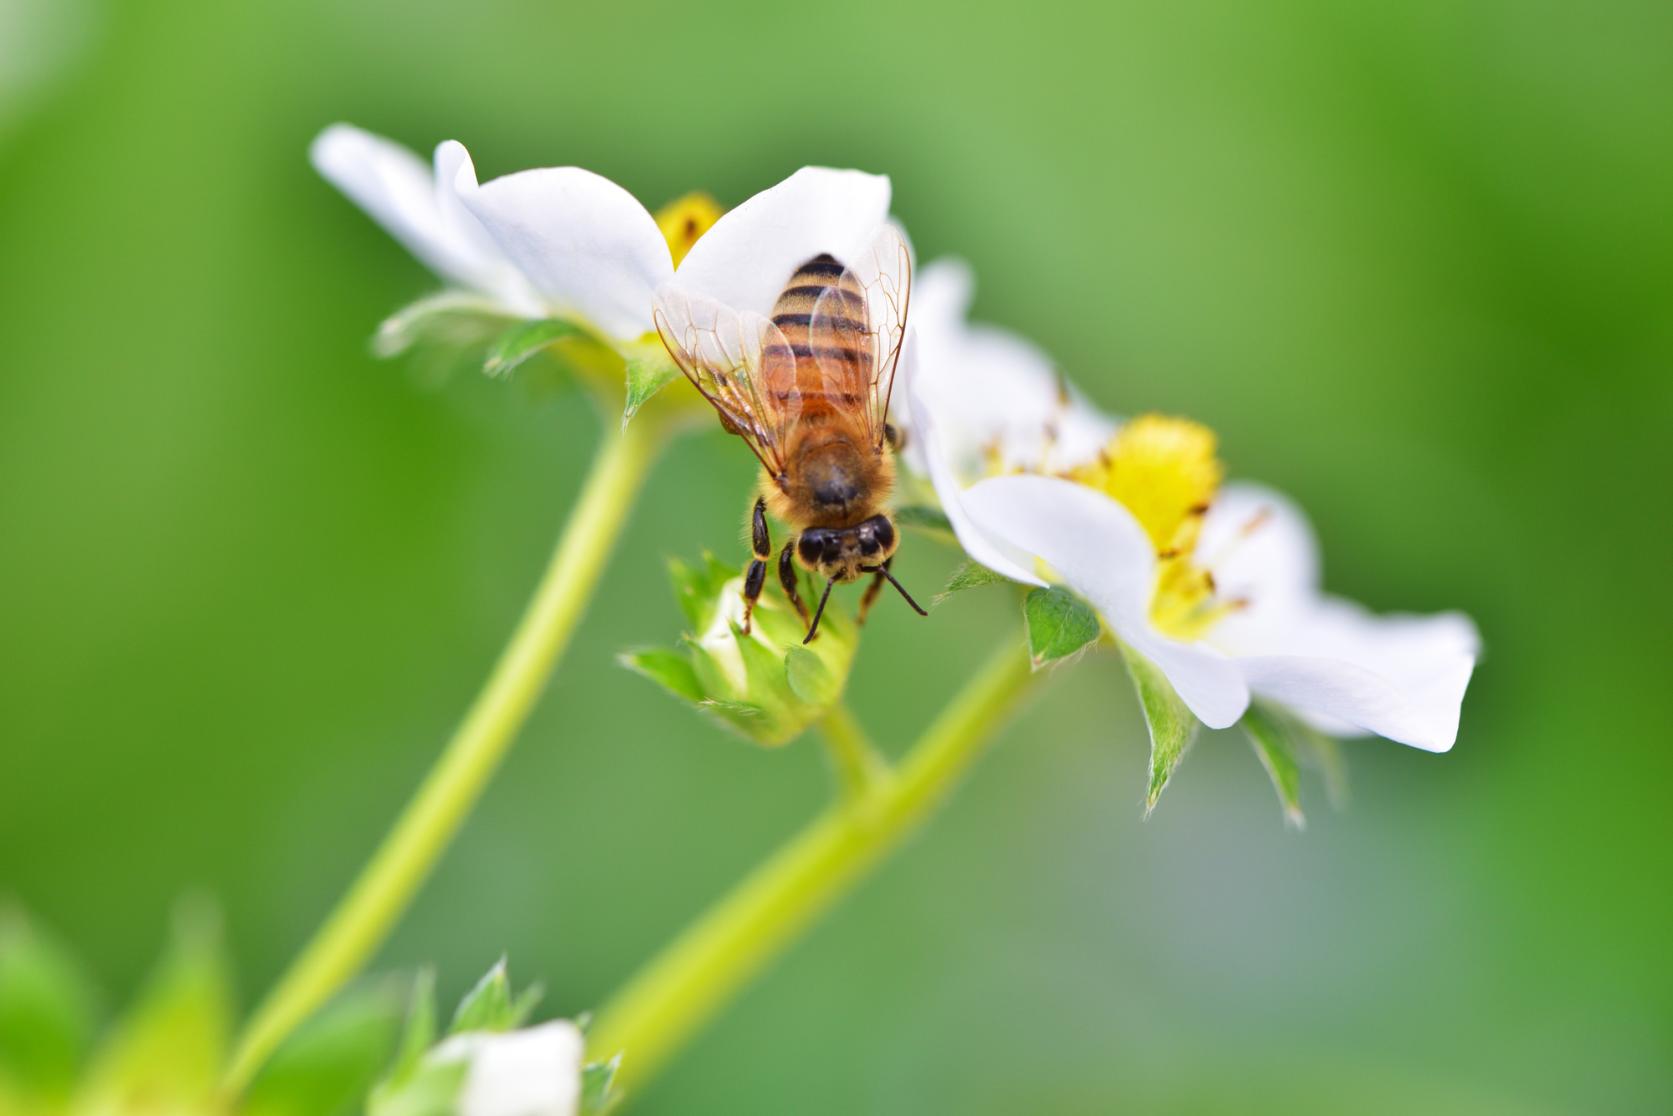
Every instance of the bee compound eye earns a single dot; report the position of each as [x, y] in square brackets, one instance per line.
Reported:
[868, 540]
[883, 531]
[833, 546]
[810, 546]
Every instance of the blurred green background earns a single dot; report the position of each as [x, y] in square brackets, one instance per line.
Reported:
[1414, 261]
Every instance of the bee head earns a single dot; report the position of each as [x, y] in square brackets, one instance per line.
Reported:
[845, 553]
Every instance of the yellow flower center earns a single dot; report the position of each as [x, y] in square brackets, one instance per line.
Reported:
[684, 220]
[1165, 471]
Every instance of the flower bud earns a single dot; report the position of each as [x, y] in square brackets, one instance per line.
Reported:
[765, 684]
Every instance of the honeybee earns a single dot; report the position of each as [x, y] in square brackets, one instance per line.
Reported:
[807, 389]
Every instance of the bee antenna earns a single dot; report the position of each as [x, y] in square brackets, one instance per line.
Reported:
[916, 607]
[813, 629]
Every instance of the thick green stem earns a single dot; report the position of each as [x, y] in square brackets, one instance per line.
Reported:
[679, 990]
[385, 887]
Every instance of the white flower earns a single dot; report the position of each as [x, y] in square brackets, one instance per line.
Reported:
[1219, 589]
[532, 1072]
[567, 243]
[420, 206]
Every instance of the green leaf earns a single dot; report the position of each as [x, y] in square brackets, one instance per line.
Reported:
[668, 669]
[451, 319]
[1172, 725]
[971, 575]
[46, 1015]
[486, 1007]
[596, 1080]
[523, 341]
[924, 517]
[646, 375]
[170, 1049]
[1274, 745]
[329, 1066]
[1059, 624]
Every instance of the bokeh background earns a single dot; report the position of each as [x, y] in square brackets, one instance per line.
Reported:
[1414, 261]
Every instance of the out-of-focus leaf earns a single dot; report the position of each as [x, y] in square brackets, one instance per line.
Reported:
[1271, 738]
[971, 575]
[524, 340]
[46, 1016]
[328, 1067]
[596, 1080]
[168, 1052]
[418, 1033]
[1059, 624]
[647, 375]
[487, 1006]
[1172, 725]
[668, 669]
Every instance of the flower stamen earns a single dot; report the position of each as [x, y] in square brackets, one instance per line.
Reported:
[683, 222]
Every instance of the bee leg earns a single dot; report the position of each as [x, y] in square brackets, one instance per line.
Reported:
[787, 578]
[761, 547]
[870, 597]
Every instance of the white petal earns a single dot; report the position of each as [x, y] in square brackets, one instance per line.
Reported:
[399, 192]
[1100, 551]
[533, 1072]
[926, 445]
[745, 259]
[586, 244]
[1401, 677]
[496, 274]
[1261, 551]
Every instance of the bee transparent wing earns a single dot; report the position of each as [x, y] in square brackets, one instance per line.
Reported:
[858, 327]
[721, 353]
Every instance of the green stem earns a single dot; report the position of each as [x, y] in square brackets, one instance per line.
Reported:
[857, 765]
[673, 995]
[377, 899]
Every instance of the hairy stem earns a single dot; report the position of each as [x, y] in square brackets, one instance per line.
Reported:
[677, 992]
[377, 899]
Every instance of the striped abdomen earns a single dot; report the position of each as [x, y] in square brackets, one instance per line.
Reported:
[814, 368]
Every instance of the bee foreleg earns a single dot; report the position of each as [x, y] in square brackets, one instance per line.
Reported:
[870, 597]
[787, 578]
[753, 581]
[761, 547]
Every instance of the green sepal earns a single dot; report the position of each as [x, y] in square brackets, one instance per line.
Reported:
[47, 1010]
[1171, 723]
[924, 518]
[524, 340]
[489, 1006]
[668, 669]
[454, 320]
[810, 679]
[646, 375]
[971, 575]
[765, 685]
[1271, 736]
[597, 1078]
[168, 1053]
[1060, 624]
[331, 1064]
